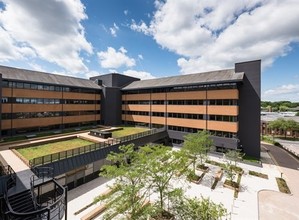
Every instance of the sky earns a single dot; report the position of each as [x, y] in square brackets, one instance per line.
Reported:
[154, 38]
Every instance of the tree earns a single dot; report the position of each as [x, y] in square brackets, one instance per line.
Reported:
[162, 164]
[193, 208]
[197, 145]
[234, 155]
[283, 108]
[128, 169]
[283, 125]
[229, 170]
[297, 114]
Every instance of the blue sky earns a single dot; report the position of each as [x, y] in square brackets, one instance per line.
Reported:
[148, 38]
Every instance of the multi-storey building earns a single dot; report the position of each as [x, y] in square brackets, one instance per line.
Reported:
[34, 101]
[225, 102]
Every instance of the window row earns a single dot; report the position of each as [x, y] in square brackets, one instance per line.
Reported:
[223, 118]
[189, 116]
[212, 132]
[22, 85]
[184, 102]
[201, 87]
[21, 115]
[46, 101]
[184, 115]
[183, 129]
[135, 113]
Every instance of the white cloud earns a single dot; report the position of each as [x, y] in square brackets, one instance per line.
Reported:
[285, 92]
[140, 56]
[215, 34]
[126, 12]
[114, 29]
[50, 30]
[141, 27]
[37, 67]
[115, 59]
[139, 74]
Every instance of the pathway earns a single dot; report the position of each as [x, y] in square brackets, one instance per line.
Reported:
[21, 169]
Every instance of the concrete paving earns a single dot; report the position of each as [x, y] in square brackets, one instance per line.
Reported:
[246, 206]
[21, 169]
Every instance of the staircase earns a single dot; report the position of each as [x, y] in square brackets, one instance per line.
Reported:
[22, 202]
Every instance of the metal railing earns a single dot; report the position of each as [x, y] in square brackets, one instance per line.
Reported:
[89, 148]
[56, 205]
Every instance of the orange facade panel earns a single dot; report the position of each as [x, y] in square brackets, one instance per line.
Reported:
[35, 122]
[36, 107]
[223, 94]
[6, 92]
[78, 107]
[136, 97]
[158, 108]
[83, 96]
[5, 124]
[223, 110]
[136, 118]
[36, 93]
[158, 96]
[195, 95]
[223, 126]
[6, 108]
[191, 109]
[190, 123]
[158, 120]
[138, 108]
[79, 118]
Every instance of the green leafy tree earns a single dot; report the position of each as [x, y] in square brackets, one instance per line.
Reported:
[162, 165]
[128, 169]
[193, 208]
[234, 155]
[229, 170]
[197, 145]
[283, 108]
[297, 114]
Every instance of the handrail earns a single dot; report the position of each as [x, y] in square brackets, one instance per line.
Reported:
[40, 211]
[89, 148]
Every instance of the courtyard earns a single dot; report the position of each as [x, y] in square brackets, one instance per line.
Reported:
[245, 206]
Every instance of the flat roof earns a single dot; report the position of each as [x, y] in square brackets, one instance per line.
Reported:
[11, 73]
[222, 76]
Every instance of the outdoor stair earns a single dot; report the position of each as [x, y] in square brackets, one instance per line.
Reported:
[22, 202]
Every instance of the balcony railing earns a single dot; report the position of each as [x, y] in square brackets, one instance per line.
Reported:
[93, 147]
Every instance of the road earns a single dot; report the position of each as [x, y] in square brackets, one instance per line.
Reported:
[288, 165]
[292, 145]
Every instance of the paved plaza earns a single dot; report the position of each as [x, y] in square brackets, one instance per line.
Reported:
[255, 197]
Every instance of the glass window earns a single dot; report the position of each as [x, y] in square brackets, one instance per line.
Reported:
[33, 101]
[20, 85]
[40, 101]
[51, 88]
[40, 87]
[26, 86]
[26, 100]
[4, 83]
[4, 100]
[19, 100]
[33, 86]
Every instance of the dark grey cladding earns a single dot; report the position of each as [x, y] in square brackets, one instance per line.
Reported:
[16, 74]
[220, 76]
[114, 80]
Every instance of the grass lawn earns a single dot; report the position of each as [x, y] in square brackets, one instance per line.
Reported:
[128, 131]
[46, 149]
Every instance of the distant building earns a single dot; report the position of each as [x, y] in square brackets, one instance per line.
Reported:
[267, 117]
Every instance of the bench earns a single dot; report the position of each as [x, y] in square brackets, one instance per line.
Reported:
[30, 135]
[218, 175]
[98, 210]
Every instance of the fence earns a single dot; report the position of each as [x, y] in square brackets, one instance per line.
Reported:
[82, 150]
